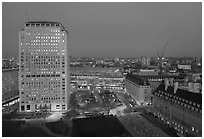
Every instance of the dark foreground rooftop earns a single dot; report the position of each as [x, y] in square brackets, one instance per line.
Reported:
[17, 129]
[99, 126]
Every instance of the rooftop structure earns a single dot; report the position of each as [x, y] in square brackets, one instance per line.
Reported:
[44, 24]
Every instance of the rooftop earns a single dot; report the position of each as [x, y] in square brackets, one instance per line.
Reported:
[184, 94]
[99, 126]
[165, 76]
[41, 22]
[137, 79]
[46, 22]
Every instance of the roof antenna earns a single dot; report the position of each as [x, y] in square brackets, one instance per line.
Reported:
[61, 18]
[25, 17]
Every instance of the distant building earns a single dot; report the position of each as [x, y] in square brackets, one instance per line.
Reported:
[6, 64]
[44, 67]
[184, 67]
[117, 60]
[195, 87]
[9, 84]
[178, 108]
[139, 88]
[145, 61]
[147, 72]
[198, 61]
[9, 63]
[197, 76]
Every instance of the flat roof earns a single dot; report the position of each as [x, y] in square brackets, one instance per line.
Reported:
[137, 79]
[46, 22]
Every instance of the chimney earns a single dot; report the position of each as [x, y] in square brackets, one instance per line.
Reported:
[190, 86]
[172, 82]
[166, 82]
[186, 80]
[175, 87]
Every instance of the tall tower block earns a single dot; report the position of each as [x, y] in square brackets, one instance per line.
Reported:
[44, 74]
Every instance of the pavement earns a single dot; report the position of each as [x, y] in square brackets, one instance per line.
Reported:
[140, 127]
[98, 97]
[124, 101]
[55, 116]
[119, 111]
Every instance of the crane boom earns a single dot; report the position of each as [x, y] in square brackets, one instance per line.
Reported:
[160, 57]
[162, 53]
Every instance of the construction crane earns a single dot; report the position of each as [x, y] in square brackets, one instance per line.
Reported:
[161, 58]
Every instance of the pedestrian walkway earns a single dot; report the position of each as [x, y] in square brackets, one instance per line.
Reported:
[140, 127]
[119, 111]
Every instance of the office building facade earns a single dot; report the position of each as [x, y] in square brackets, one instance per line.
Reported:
[145, 61]
[44, 76]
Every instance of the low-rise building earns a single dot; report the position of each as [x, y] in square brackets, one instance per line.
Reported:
[139, 88]
[147, 72]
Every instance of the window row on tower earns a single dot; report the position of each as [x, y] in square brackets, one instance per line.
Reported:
[42, 44]
[45, 36]
[44, 40]
[45, 90]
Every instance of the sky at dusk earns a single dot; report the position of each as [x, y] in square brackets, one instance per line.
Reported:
[112, 29]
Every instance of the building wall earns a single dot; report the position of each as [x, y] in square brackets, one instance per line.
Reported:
[138, 92]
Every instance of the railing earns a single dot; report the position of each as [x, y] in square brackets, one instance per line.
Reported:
[10, 100]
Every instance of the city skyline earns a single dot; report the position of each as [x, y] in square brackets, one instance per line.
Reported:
[112, 29]
[102, 70]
